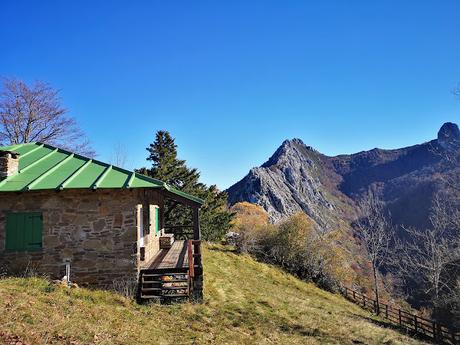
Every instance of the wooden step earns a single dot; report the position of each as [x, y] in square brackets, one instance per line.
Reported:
[151, 289]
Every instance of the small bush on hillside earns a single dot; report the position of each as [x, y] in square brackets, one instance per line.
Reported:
[300, 248]
[251, 224]
[126, 287]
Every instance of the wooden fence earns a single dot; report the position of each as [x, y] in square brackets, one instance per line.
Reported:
[419, 325]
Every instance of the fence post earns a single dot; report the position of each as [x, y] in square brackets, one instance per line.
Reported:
[386, 311]
[354, 295]
[434, 330]
[399, 314]
[364, 301]
[439, 331]
[415, 323]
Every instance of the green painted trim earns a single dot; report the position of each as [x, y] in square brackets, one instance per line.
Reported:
[75, 174]
[101, 177]
[130, 181]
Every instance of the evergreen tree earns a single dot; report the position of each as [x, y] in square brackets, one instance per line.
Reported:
[215, 219]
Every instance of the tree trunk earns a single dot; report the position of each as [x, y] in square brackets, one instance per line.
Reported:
[376, 289]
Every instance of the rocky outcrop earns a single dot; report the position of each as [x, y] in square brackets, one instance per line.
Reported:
[449, 136]
[290, 182]
[299, 178]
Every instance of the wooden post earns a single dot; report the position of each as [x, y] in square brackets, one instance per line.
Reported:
[364, 301]
[415, 323]
[354, 295]
[399, 314]
[198, 279]
[196, 224]
[386, 311]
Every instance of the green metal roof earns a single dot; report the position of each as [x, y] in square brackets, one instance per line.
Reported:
[42, 167]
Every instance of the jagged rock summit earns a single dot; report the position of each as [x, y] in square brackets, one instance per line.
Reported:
[297, 178]
[449, 135]
[287, 183]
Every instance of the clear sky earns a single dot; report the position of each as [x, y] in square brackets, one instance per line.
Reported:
[232, 79]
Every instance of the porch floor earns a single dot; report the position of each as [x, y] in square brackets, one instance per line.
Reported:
[175, 257]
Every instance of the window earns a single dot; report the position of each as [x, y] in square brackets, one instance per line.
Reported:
[24, 231]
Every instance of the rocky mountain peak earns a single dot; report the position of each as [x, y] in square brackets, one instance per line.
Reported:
[449, 135]
[291, 149]
[298, 178]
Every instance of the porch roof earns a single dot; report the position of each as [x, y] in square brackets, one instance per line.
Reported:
[44, 167]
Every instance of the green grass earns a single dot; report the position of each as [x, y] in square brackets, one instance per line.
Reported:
[246, 302]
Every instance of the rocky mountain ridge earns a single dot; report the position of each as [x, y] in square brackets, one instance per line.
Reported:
[299, 178]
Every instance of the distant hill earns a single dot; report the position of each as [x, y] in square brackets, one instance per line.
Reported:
[246, 302]
[299, 178]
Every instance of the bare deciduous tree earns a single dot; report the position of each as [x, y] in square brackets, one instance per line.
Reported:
[31, 113]
[119, 156]
[375, 231]
[431, 256]
[456, 91]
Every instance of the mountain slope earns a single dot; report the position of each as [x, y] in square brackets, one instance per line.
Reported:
[246, 302]
[298, 178]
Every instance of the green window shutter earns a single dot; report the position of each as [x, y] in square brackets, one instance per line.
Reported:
[24, 231]
[157, 225]
[12, 240]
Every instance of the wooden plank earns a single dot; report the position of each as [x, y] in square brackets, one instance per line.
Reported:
[174, 257]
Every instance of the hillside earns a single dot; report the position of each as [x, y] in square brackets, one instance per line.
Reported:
[299, 178]
[246, 302]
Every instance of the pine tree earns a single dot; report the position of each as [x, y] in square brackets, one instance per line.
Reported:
[215, 219]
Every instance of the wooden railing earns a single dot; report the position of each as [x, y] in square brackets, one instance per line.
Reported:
[194, 259]
[414, 323]
[181, 232]
[191, 266]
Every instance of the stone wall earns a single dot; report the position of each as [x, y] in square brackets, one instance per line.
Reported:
[96, 230]
[9, 164]
[150, 199]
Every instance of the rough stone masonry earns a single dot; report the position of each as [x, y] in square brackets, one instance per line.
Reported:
[96, 231]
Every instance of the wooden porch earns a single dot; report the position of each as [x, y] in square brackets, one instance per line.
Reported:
[176, 270]
[173, 273]
[172, 258]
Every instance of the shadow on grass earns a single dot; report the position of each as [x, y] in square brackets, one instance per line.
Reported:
[400, 329]
[222, 248]
[303, 331]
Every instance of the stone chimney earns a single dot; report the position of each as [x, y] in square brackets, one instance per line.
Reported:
[9, 163]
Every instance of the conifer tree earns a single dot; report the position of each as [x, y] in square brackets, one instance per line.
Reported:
[215, 219]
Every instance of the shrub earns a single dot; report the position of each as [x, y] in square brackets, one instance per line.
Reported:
[299, 247]
[251, 224]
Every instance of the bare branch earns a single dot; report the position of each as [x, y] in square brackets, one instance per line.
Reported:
[30, 113]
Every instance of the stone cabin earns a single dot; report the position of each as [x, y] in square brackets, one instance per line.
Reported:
[65, 215]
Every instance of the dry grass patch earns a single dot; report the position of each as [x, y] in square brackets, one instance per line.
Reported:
[246, 302]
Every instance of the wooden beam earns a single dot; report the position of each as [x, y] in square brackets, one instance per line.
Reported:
[180, 199]
[196, 223]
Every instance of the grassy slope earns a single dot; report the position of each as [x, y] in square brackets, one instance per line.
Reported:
[246, 303]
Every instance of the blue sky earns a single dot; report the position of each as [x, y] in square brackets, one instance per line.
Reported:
[232, 79]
